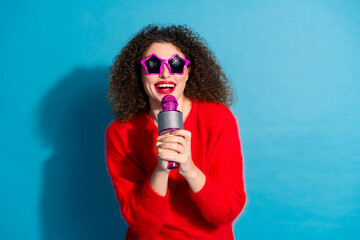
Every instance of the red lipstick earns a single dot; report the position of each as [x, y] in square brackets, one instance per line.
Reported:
[165, 87]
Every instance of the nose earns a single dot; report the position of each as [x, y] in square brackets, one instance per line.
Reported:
[165, 73]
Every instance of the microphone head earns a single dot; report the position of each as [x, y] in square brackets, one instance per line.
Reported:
[169, 103]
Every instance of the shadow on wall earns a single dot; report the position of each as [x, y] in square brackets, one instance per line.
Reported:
[78, 201]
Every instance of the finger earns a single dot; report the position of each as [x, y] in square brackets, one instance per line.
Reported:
[163, 136]
[172, 157]
[183, 133]
[163, 139]
[166, 151]
[172, 142]
[174, 139]
[169, 157]
[172, 146]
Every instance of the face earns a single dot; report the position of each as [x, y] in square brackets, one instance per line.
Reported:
[158, 85]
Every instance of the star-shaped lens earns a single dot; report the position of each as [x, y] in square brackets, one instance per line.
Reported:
[153, 64]
[177, 64]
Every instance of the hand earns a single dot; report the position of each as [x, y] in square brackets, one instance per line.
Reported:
[176, 146]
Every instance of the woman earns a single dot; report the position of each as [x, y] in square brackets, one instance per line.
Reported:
[201, 198]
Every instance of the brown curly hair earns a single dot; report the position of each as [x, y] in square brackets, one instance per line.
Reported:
[207, 81]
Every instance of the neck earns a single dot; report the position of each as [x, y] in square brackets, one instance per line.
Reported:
[184, 106]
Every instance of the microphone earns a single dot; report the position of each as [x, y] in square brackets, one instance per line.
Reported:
[170, 119]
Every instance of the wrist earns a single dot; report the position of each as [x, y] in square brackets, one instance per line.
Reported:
[196, 180]
[192, 174]
[161, 171]
[159, 181]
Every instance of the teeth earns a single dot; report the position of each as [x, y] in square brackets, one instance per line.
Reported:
[166, 85]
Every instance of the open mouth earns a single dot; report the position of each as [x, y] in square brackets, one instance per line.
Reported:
[165, 88]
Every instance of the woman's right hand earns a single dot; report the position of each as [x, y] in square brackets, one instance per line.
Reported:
[163, 152]
[160, 176]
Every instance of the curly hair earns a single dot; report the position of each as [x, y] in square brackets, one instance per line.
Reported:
[207, 81]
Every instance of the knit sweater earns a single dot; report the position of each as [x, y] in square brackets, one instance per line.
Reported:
[181, 214]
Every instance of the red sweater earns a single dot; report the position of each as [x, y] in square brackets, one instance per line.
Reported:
[181, 214]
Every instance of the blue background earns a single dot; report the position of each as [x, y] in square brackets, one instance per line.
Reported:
[294, 66]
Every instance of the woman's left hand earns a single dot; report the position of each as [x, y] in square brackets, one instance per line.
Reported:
[179, 144]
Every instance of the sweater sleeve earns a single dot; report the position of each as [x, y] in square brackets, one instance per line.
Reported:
[144, 210]
[223, 197]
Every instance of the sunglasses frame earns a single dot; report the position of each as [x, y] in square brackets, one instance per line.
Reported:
[165, 61]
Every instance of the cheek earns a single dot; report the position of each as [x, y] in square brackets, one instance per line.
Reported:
[144, 77]
[186, 75]
[147, 81]
[183, 78]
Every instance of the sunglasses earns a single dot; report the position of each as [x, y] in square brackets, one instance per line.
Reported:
[154, 65]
